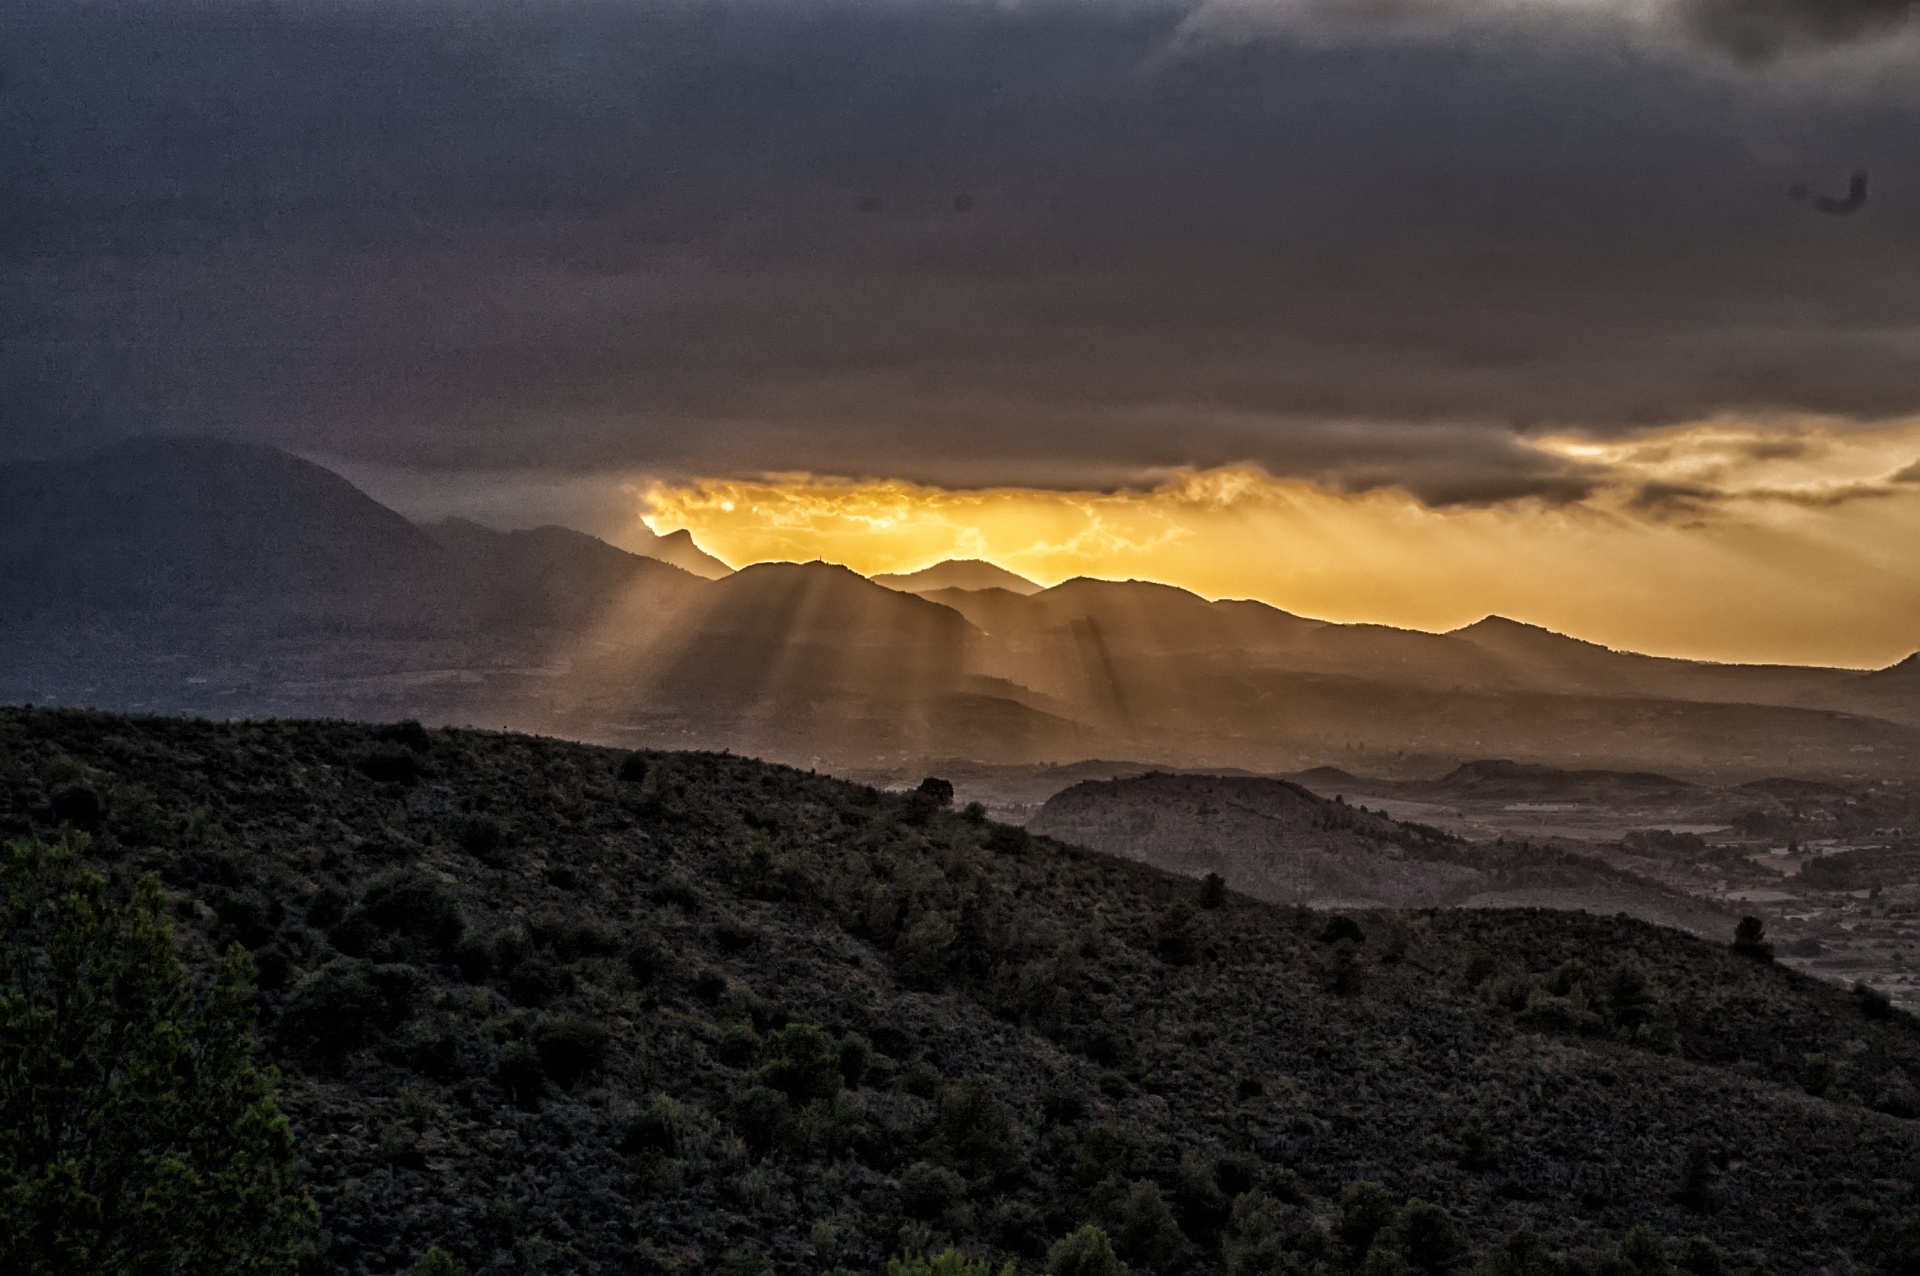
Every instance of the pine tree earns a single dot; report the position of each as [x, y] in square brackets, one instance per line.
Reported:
[136, 1134]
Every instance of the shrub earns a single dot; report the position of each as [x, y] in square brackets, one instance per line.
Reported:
[646, 960]
[1142, 1227]
[1700, 1257]
[949, 1262]
[344, 1006]
[1479, 1149]
[1343, 970]
[78, 805]
[1521, 1254]
[474, 957]
[741, 1261]
[1750, 939]
[537, 981]
[856, 1055]
[1008, 839]
[1365, 1211]
[412, 905]
[390, 766]
[927, 1190]
[1820, 1077]
[1425, 1237]
[939, 790]
[1630, 998]
[135, 1132]
[977, 1132]
[1174, 938]
[482, 837]
[762, 1115]
[805, 1065]
[1339, 928]
[570, 1047]
[739, 1046]
[633, 768]
[1213, 891]
[408, 734]
[1873, 1003]
[328, 905]
[928, 949]
[1085, 1252]
[1641, 1252]
[437, 1262]
[657, 1131]
[1695, 1190]
[521, 1074]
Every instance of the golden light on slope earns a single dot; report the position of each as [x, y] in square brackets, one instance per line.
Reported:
[1722, 541]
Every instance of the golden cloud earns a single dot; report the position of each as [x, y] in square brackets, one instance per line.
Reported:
[1722, 540]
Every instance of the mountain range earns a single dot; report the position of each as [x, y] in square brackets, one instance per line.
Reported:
[200, 576]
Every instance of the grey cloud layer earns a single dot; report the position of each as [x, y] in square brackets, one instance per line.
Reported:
[603, 235]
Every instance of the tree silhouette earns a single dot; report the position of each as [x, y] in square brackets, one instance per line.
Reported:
[136, 1135]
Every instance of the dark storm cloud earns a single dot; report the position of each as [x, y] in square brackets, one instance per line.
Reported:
[1756, 30]
[728, 237]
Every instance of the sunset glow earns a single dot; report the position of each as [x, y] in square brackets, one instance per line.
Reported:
[1721, 541]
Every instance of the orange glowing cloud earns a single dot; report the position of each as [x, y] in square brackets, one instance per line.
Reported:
[1723, 540]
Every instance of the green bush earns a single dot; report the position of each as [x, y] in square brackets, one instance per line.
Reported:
[1750, 939]
[1521, 1254]
[413, 906]
[570, 1047]
[1479, 1149]
[437, 1262]
[1424, 1237]
[949, 1262]
[978, 1134]
[1141, 1226]
[390, 766]
[763, 1116]
[744, 1262]
[1365, 1211]
[346, 1005]
[521, 1074]
[1700, 1257]
[1085, 1252]
[805, 1064]
[136, 1135]
[658, 1131]
[927, 1190]
[1175, 939]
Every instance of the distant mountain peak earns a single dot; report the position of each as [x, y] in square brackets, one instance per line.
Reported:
[678, 548]
[1501, 632]
[957, 573]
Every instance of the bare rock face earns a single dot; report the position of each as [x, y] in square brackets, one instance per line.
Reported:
[1271, 839]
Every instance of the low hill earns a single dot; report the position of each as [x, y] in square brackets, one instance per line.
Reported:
[1281, 842]
[569, 1009]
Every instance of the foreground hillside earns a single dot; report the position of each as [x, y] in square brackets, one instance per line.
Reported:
[564, 1009]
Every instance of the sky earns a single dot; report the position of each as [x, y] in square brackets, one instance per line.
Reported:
[1374, 309]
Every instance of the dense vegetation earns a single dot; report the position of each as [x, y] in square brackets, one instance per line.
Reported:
[136, 1134]
[556, 1008]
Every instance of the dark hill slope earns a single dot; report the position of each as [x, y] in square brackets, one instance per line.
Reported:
[551, 1018]
[189, 524]
[1280, 842]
